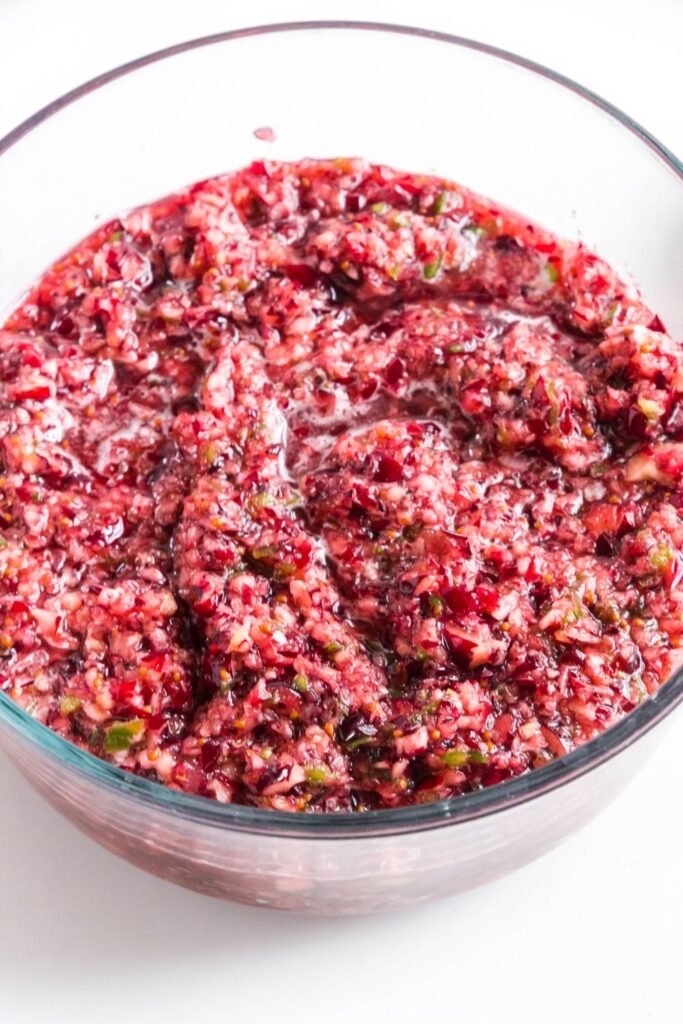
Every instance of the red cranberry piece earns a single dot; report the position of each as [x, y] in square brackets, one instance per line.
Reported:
[428, 783]
[636, 423]
[113, 261]
[627, 519]
[673, 421]
[37, 394]
[531, 669]
[361, 498]
[461, 647]
[604, 545]
[301, 274]
[507, 243]
[388, 470]
[206, 605]
[65, 327]
[209, 755]
[674, 572]
[368, 389]
[444, 543]
[629, 660]
[175, 729]
[566, 423]
[355, 727]
[403, 723]
[178, 693]
[492, 776]
[272, 775]
[394, 372]
[486, 599]
[124, 693]
[258, 167]
[537, 426]
[459, 600]
[29, 357]
[656, 325]
[155, 661]
[573, 656]
[355, 202]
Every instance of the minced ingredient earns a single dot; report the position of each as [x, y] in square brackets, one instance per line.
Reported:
[329, 487]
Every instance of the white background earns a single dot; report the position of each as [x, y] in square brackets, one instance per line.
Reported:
[590, 933]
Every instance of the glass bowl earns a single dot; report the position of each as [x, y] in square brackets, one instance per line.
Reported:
[419, 100]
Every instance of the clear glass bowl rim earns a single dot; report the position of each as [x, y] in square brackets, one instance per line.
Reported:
[350, 825]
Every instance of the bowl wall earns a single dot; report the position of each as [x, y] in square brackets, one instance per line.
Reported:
[358, 875]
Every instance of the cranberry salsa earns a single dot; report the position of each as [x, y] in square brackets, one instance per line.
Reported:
[330, 487]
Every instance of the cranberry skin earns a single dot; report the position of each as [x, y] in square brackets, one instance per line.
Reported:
[209, 755]
[65, 327]
[388, 470]
[458, 599]
[355, 727]
[175, 730]
[178, 693]
[271, 775]
[636, 423]
[355, 202]
[507, 243]
[38, 394]
[604, 545]
[494, 776]
[480, 599]
[461, 647]
[486, 599]
[630, 660]
[394, 372]
[566, 423]
[367, 390]
[206, 605]
[301, 274]
[673, 421]
[573, 656]
[155, 661]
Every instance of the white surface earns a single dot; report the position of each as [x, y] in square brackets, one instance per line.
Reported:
[590, 933]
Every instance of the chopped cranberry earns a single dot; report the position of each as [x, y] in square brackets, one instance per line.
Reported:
[209, 755]
[393, 373]
[355, 727]
[319, 496]
[389, 470]
[301, 273]
[368, 389]
[272, 775]
[604, 545]
[636, 423]
[480, 599]
[39, 393]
